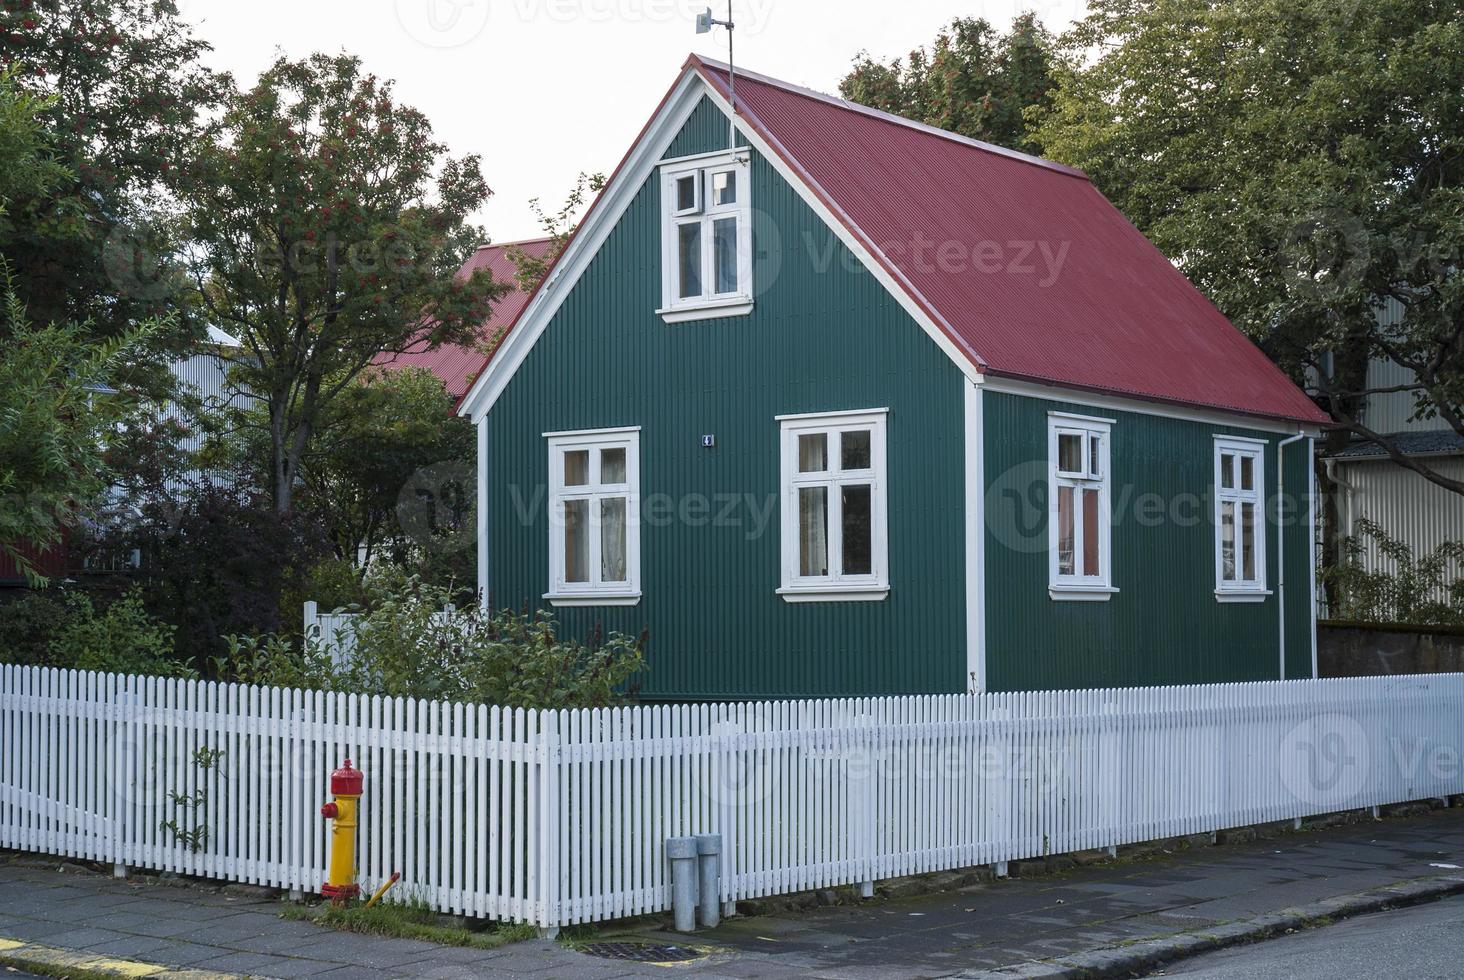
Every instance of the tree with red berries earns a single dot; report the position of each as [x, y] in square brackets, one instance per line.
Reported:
[327, 227]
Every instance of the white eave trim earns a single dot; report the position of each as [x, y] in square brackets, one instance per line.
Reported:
[1121, 403]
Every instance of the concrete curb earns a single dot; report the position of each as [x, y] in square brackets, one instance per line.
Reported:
[1140, 958]
[55, 961]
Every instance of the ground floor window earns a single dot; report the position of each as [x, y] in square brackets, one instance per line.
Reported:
[833, 506]
[1240, 522]
[1079, 516]
[594, 516]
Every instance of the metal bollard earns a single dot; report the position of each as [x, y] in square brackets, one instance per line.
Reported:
[709, 878]
[682, 853]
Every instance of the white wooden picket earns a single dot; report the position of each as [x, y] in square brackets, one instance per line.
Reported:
[558, 817]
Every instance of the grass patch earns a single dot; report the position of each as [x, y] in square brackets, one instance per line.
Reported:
[411, 919]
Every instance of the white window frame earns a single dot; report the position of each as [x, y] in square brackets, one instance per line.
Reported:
[834, 587]
[674, 307]
[1252, 590]
[1076, 586]
[594, 592]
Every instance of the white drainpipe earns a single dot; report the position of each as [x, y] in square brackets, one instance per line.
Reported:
[1281, 545]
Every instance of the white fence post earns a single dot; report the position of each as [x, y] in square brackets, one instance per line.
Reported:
[551, 824]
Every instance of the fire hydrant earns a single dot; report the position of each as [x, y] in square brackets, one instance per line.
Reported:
[345, 786]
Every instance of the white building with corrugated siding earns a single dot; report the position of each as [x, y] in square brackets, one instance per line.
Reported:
[1411, 509]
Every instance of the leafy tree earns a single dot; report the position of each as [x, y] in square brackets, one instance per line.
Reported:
[125, 96]
[323, 238]
[55, 410]
[558, 226]
[380, 443]
[973, 80]
[1301, 160]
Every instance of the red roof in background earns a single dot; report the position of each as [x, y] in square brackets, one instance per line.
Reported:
[1104, 311]
[457, 365]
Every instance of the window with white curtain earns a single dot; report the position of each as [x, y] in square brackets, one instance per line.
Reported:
[594, 522]
[834, 530]
[706, 237]
[1079, 516]
[1240, 518]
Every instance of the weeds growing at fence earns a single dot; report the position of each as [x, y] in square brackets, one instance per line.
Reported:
[409, 919]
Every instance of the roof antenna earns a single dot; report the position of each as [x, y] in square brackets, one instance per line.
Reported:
[704, 23]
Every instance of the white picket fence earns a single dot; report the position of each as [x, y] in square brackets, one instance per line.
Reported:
[558, 817]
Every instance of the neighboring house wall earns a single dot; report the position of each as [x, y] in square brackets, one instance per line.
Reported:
[1408, 507]
[205, 373]
[824, 336]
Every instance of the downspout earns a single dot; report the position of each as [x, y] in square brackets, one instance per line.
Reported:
[1281, 545]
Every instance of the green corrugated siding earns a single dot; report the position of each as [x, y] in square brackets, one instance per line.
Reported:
[1164, 626]
[824, 336]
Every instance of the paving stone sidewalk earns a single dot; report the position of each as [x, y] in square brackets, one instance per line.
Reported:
[979, 927]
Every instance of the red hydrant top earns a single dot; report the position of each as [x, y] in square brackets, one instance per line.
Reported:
[346, 781]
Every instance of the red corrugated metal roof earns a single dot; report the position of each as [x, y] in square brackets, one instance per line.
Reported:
[1022, 261]
[457, 365]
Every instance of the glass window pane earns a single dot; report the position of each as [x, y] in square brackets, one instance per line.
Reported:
[1227, 540]
[1065, 531]
[576, 541]
[724, 254]
[612, 539]
[1227, 471]
[1248, 542]
[688, 259]
[858, 536]
[854, 450]
[686, 192]
[724, 187]
[813, 526]
[577, 468]
[1090, 532]
[813, 453]
[1095, 443]
[1069, 452]
[1247, 473]
[612, 465]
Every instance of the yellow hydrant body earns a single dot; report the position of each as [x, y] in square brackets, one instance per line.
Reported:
[345, 786]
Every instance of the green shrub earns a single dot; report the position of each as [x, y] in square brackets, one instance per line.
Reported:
[27, 625]
[1426, 591]
[405, 646]
[121, 638]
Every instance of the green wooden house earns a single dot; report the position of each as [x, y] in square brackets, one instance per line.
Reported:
[833, 403]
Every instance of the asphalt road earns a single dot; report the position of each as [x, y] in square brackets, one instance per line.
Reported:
[1420, 943]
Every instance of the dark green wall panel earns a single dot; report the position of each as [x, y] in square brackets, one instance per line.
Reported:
[824, 336]
[1164, 626]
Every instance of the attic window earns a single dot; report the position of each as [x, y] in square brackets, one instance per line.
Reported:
[706, 237]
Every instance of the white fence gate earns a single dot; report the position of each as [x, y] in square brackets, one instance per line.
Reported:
[335, 632]
[556, 817]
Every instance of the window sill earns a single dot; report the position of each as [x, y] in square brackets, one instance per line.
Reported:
[1081, 593]
[834, 593]
[1236, 595]
[593, 598]
[732, 306]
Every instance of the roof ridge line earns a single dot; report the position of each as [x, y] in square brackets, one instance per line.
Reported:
[889, 117]
[517, 241]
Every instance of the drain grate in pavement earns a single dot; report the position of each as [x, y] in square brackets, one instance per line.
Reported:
[642, 952]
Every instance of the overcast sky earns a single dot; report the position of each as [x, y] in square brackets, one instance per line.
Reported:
[543, 89]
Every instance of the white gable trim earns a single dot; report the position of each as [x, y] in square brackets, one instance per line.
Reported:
[639, 164]
[645, 156]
